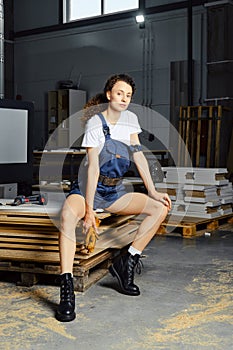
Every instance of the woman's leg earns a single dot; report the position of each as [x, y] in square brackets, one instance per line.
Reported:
[139, 203]
[73, 210]
[136, 203]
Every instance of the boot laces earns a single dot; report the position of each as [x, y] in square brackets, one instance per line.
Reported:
[135, 267]
[139, 266]
[67, 291]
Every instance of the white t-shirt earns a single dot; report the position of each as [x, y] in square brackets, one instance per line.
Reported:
[126, 125]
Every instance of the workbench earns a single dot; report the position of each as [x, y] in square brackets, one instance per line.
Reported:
[57, 165]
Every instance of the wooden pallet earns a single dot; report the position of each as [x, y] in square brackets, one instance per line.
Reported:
[29, 246]
[194, 122]
[191, 226]
[86, 273]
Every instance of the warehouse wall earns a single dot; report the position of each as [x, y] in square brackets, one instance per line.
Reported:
[8, 50]
[90, 54]
[29, 14]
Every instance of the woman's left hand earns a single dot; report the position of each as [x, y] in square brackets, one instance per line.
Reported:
[163, 198]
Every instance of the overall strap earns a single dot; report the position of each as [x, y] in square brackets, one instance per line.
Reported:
[106, 130]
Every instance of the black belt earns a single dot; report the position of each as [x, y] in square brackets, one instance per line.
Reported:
[109, 181]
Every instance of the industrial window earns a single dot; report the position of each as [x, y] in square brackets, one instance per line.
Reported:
[80, 9]
[111, 6]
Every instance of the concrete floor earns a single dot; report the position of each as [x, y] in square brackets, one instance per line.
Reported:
[186, 302]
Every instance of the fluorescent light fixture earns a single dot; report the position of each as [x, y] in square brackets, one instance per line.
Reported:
[140, 19]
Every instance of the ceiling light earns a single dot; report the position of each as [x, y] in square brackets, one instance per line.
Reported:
[140, 19]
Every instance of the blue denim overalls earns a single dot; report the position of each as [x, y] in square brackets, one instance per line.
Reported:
[114, 160]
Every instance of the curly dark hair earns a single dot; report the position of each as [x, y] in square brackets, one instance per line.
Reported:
[98, 103]
[119, 77]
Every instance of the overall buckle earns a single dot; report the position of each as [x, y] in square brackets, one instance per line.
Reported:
[109, 181]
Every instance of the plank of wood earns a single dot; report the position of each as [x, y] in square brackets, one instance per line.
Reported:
[198, 145]
[187, 136]
[23, 246]
[46, 269]
[209, 140]
[13, 240]
[27, 255]
[217, 137]
[85, 265]
[26, 220]
[118, 237]
[182, 114]
[114, 221]
[27, 234]
[39, 256]
[81, 284]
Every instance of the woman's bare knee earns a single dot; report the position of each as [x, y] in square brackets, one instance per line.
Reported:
[158, 210]
[72, 211]
[164, 212]
[67, 217]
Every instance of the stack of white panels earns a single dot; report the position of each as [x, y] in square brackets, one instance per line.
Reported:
[174, 190]
[198, 192]
[197, 176]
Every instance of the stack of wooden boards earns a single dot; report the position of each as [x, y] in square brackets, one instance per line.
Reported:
[198, 192]
[29, 244]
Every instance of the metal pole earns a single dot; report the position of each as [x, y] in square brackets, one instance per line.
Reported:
[1, 50]
[190, 53]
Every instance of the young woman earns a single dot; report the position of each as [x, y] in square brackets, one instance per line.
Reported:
[111, 138]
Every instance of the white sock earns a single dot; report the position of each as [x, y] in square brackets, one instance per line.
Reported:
[67, 272]
[133, 251]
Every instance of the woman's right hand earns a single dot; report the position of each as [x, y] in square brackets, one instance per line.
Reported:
[89, 221]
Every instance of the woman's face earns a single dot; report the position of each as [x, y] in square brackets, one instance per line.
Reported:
[120, 96]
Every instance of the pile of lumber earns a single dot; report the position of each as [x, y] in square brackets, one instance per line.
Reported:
[198, 192]
[29, 243]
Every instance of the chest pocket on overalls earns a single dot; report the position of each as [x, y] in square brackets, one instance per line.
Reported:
[114, 159]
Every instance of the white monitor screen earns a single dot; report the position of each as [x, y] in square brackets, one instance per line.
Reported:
[13, 135]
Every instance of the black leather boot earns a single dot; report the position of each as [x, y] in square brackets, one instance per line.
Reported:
[65, 311]
[123, 269]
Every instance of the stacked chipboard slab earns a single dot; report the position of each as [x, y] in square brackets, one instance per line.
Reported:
[198, 192]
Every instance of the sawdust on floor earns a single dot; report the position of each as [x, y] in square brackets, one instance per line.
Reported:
[27, 314]
[23, 321]
[192, 327]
